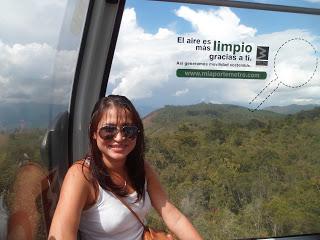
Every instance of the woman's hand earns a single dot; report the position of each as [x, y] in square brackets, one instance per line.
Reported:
[159, 235]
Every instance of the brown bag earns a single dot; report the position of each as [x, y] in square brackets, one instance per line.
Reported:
[148, 233]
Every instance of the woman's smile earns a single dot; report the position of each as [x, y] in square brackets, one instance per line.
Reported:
[118, 147]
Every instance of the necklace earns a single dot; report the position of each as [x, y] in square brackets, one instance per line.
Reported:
[119, 180]
[125, 185]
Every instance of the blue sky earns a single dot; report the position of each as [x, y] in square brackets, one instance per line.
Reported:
[155, 14]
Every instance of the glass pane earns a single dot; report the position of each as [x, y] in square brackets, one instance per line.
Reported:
[39, 44]
[230, 100]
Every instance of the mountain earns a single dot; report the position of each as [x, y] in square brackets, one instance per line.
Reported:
[290, 109]
[27, 115]
[172, 115]
[38, 115]
[144, 110]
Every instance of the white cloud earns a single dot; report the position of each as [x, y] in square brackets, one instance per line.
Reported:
[181, 92]
[31, 68]
[31, 21]
[226, 24]
[142, 61]
[27, 73]
[214, 102]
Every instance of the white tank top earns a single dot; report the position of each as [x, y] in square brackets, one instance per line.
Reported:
[109, 219]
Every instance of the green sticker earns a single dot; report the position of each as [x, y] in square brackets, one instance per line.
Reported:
[203, 73]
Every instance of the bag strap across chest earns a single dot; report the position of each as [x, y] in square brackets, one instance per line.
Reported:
[133, 212]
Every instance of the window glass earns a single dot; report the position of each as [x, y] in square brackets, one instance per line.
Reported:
[39, 44]
[230, 101]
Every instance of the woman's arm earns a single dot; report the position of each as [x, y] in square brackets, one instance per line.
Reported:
[24, 217]
[73, 198]
[174, 219]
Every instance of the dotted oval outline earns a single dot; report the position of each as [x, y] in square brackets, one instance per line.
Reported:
[274, 65]
[314, 71]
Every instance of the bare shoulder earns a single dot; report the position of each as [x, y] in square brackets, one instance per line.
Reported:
[78, 178]
[74, 197]
[76, 190]
[81, 166]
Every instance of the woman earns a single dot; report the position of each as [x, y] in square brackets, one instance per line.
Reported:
[115, 166]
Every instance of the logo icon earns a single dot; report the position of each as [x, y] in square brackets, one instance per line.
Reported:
[262, 56]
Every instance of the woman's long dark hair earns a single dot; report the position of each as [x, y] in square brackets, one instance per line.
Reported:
[135, 160]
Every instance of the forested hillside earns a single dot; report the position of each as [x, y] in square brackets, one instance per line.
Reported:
[235, 173]
[174, 115]
[238, 174]
[15, 150]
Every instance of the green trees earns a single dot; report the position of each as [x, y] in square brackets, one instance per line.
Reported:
[239, 178]
[235, 174]
[15, 149]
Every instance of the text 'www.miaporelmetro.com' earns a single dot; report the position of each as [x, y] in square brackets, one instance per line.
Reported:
[202, 73]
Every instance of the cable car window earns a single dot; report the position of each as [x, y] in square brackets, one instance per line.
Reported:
[36, 76]
[230, 100]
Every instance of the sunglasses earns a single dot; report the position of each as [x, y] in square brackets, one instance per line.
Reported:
[108, 132]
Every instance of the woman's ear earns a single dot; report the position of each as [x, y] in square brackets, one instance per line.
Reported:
[95, 136]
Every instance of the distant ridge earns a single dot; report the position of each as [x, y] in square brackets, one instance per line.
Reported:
[291, 109]
[38, 115]
[169, 115]
[27, 115]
